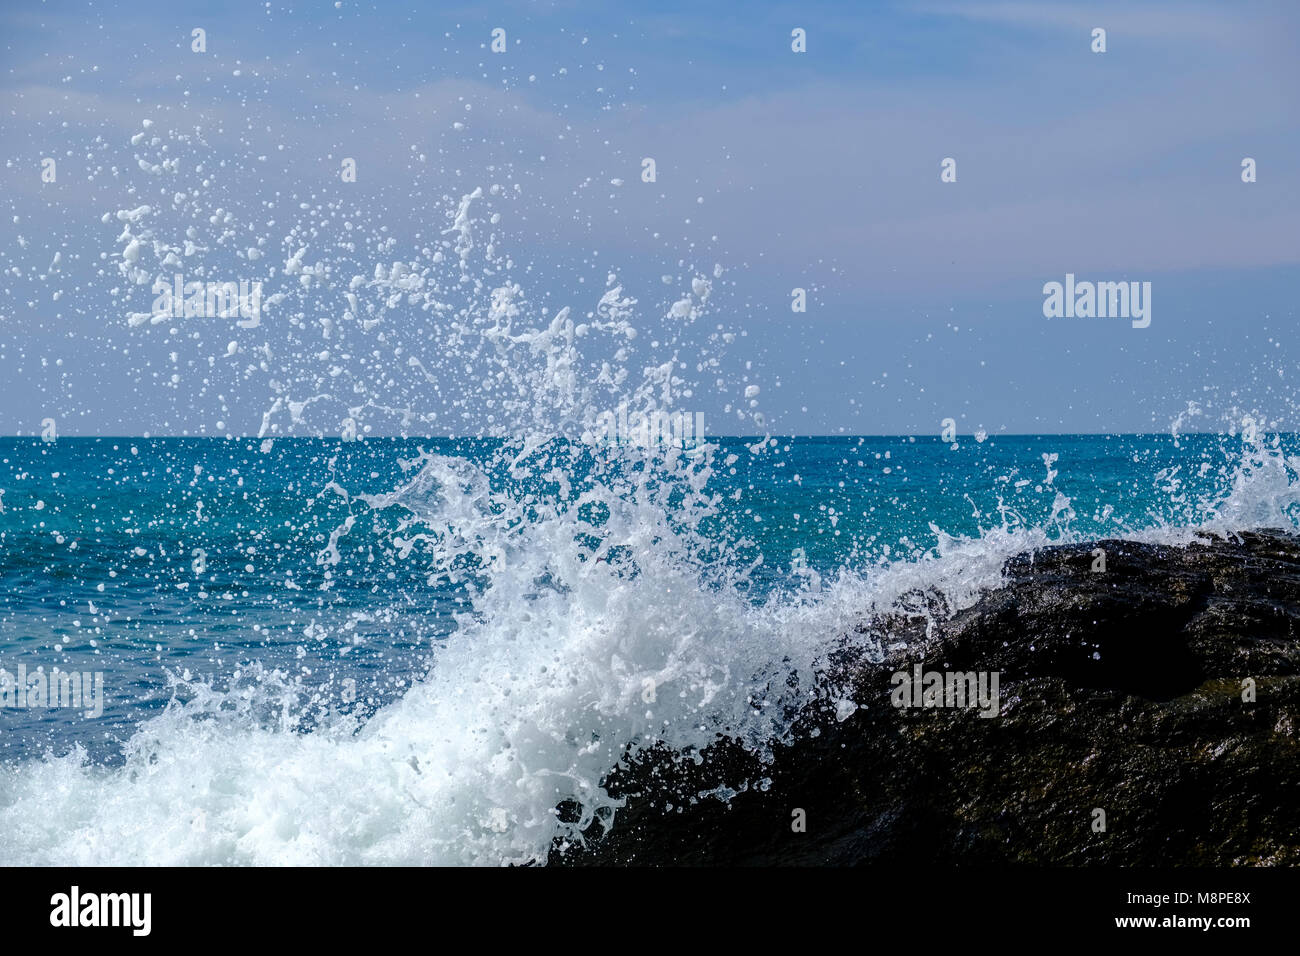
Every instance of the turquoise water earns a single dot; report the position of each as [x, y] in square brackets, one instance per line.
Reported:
[140, 557]
[412, 651]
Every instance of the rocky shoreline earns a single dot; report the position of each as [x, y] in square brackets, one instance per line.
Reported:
[1124, 690]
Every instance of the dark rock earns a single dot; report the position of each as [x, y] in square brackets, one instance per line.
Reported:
[1120, 690]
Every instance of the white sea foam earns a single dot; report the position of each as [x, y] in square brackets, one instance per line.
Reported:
[530, 703]
[598, 622]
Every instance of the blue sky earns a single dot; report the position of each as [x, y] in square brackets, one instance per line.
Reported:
[817, 170]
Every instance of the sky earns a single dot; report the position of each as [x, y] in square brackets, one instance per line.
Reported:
[775, 170]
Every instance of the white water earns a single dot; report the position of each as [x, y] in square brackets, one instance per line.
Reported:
[530, 703]
[574, 653]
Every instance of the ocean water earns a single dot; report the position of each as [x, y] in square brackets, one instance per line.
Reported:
[411, 650]
[303, 649]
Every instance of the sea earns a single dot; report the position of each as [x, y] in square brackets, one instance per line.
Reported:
[412, 650]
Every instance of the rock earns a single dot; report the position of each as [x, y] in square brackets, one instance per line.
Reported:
[1120, 691]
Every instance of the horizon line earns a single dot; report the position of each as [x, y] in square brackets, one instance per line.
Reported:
[710, 438]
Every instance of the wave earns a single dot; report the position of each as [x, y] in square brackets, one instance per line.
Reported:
[606, 616]
[567, 666]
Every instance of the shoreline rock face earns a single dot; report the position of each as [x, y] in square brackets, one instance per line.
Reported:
[1121, 691]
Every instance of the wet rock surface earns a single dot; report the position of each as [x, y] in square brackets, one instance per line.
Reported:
[1120, 690]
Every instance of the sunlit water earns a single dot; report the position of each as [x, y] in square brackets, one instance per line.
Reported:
[413, 650]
